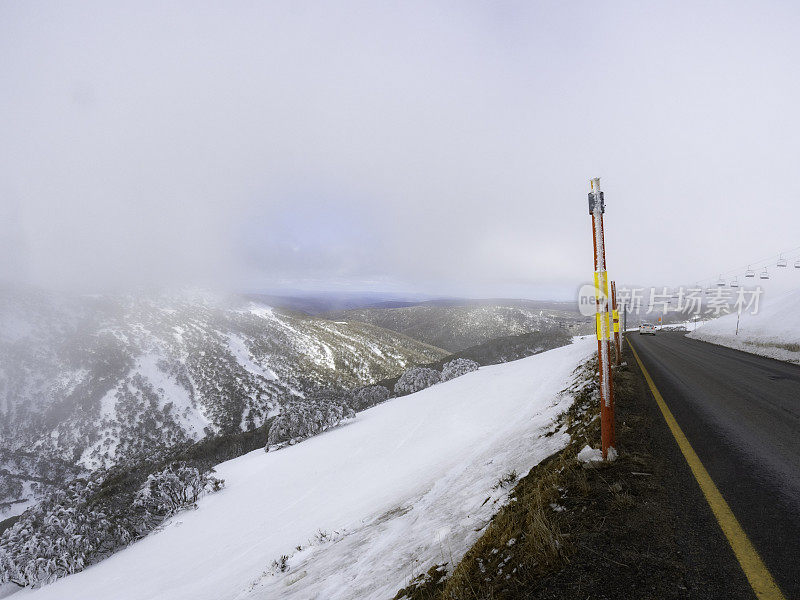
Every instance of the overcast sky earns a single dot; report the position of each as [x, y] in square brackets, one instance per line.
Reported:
[434, 147]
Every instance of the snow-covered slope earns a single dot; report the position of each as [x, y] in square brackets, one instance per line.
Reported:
[369, 504]
[774, 331]
[86, 382]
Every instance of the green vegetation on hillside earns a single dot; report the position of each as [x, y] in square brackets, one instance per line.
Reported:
[456, 327]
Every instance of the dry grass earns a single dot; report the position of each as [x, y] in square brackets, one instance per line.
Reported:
[526, 539]
[522, 538]
[603, 529]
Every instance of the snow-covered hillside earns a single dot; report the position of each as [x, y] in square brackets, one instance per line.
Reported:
[774, 331]
[88, 381]
[358, 510]
[457, 326]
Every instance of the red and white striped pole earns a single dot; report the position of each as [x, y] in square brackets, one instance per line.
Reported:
[603, 321]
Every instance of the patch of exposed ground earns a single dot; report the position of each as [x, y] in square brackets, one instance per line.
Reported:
[635, 528]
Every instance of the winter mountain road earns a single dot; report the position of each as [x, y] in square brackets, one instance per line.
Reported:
[741, 414]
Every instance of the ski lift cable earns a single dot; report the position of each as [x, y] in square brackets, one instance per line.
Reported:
[756, 265]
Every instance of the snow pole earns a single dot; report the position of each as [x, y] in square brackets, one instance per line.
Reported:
[624, 323]
[603, 322]
[615, 320]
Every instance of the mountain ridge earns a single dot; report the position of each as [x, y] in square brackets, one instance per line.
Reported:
[94, 380]
[458, 325]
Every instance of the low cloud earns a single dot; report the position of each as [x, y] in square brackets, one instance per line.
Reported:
[439, 148]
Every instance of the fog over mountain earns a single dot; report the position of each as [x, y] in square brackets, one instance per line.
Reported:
[91, 382]
[297, 241]
[443, 149]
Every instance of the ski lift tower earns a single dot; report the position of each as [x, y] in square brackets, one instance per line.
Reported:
[603, 321]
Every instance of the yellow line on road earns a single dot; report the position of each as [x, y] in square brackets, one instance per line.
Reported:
[754, 568]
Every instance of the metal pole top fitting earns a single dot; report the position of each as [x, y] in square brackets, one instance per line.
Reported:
[596, 200]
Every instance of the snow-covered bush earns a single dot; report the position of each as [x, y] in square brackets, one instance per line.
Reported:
[175, 488]
[416, 379]
[59, 536]
[458, 367]
[92, 518]
[368, 396]
[301, 419]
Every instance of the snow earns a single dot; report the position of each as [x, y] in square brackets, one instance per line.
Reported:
[260, 310]
[189, 414]
[19, 507]
[7, 589]
[108, 412]
[239, 349]
[370, 504]
[774, 331]
[589, 454]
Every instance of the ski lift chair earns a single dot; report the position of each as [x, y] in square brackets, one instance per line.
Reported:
[797, 264]
[749, 272]
[781, 261]
[721, 281]
[735, 282]
[764, 274]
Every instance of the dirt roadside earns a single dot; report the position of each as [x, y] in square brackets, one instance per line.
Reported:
[637, 528]
[665, 542]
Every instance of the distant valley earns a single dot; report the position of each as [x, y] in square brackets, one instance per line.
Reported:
[457, 325]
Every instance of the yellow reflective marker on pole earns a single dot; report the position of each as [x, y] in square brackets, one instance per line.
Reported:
[599, 318]
[601, 283]
[601, 291]
[616, 321]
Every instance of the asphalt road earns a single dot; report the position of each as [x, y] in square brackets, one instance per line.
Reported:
[741, 413]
